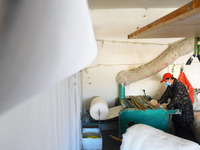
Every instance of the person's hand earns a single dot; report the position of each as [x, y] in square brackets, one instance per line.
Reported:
[158, 104]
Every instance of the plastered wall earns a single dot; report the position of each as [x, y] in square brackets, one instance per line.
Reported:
[99, 79]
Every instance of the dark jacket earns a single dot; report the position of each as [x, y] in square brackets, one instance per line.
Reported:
[180, 99]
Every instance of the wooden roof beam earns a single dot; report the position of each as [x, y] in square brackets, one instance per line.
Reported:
[181, 13]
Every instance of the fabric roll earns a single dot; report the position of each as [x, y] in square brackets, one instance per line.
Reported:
[99, 109]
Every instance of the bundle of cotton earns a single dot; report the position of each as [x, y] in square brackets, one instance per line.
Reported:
[143, 137]
[162, 61]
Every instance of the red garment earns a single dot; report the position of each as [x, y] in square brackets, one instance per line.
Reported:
[182, 77]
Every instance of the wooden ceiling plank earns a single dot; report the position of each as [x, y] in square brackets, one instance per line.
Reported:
[181, 13]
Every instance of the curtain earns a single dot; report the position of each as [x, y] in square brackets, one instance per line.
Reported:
[67, 96]
[48, 121]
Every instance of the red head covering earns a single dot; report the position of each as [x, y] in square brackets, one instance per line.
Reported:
[165, 76]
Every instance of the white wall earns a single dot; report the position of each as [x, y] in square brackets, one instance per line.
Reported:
[116, 24]
[99, 79]
[48, 121]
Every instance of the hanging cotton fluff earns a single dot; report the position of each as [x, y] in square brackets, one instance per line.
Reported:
[166, 58]
[143, 137]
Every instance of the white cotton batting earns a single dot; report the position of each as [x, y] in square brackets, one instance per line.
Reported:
[143, 137]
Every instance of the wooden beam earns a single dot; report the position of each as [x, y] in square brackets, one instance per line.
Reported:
[185, 11]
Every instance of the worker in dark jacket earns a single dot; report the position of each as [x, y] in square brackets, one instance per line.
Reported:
[180, 99]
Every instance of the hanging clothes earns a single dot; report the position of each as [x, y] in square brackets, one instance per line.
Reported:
[182, 77]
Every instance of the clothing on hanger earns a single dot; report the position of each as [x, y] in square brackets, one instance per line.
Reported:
[182, 77]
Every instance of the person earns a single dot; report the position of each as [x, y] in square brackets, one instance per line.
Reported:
[180, 99]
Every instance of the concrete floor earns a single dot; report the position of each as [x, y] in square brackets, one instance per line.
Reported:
[107, 128]
[108, 142]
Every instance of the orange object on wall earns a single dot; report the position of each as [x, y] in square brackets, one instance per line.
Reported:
[182, 77]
